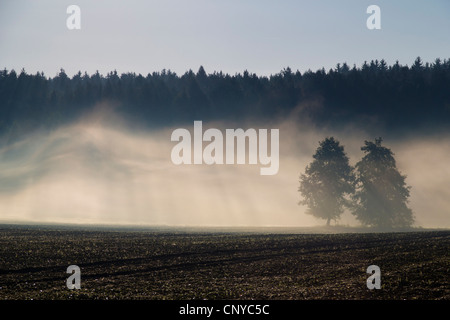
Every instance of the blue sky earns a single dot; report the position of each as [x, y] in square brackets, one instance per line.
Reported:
[260, 36]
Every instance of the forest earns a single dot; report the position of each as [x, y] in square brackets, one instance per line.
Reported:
[398, 98]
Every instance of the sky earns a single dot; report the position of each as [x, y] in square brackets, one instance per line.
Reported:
[260, 36]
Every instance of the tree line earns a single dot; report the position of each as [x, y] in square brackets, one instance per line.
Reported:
[390, 96]
[374, 191]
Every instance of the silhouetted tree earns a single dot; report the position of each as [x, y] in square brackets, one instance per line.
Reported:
[327, 181]
[382, 194]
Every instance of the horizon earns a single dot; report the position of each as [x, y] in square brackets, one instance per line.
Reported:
[285, 229]
[351, 66]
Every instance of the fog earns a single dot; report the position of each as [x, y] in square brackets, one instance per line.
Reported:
[103, 172]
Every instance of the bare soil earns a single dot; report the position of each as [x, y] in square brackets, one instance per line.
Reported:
[158, 264]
